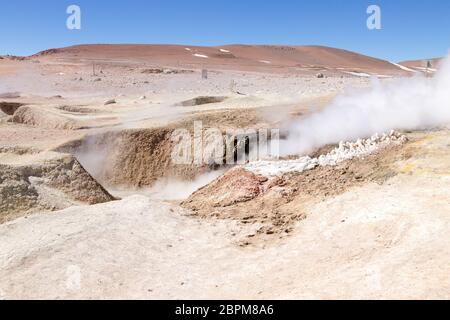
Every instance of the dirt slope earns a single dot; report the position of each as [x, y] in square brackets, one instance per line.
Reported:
[380, 241]
[35, 181]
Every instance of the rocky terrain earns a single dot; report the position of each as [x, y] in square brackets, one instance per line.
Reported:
[92, 204]
[36, 181]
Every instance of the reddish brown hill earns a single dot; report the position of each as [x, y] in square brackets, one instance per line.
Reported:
[235, 57]
[417, 64]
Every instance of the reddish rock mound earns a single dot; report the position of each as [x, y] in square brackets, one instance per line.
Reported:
[275, 204]
[237, 185]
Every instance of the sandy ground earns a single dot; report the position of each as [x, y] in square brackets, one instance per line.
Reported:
[145, 100]
[372, 240]
[375, 241]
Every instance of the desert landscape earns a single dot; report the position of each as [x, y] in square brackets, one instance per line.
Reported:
[355, 205]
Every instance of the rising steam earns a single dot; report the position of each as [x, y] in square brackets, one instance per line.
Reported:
[403, 104]
[176, 189]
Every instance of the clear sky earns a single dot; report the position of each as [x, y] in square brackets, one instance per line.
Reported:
[413, 29]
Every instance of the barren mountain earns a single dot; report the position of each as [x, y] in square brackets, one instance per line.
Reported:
[270, 58]
[421, 65]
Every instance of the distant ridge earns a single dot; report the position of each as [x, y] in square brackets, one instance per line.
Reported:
[421, 65]
[276, 58]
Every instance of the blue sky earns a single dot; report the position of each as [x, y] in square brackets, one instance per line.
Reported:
[412, 29]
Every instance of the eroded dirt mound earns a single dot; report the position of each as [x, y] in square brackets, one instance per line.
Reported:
[140, 157]
[44, 118]
[78, 109]
[153, 71]
[197, 101]
[31, 182]
[131, 158]
[278, 202]
[236, 186]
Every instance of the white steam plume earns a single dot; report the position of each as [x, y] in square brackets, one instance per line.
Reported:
[403, 104]
[177, 189]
